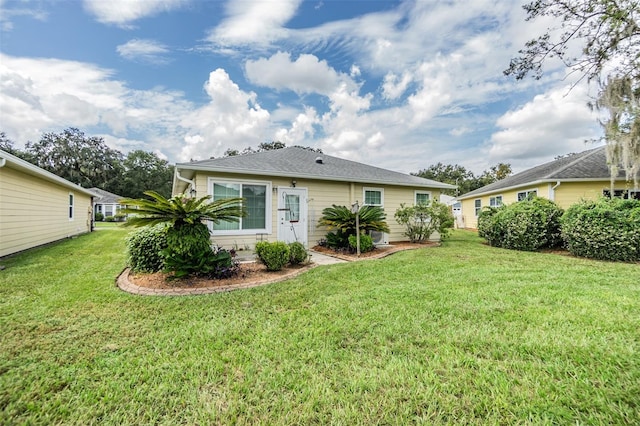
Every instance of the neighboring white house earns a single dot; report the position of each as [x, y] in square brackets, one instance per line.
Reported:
[38, 207]
[106, 202]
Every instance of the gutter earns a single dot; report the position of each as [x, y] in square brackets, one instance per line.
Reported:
[3, 161]
[191, 183]
[553, 191]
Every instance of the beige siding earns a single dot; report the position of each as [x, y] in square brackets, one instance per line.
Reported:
[565, 194]
[569, 193]
[321, 194]
[34, 211]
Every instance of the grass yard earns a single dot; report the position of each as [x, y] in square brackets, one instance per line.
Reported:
[463, 333]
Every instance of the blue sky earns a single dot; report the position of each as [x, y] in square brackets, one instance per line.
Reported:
[396, 84]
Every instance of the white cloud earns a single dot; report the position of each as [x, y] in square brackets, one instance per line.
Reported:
[554, 123]
[232, 119]
[301, 129]
[393, 86]
[24, 8]
[47, 95]
[149, 51]
[307, 74]
[258, 22]
[123, 12]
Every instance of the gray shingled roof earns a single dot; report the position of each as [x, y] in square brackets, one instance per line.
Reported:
[105, 197]
[587, 165]
[297, 162]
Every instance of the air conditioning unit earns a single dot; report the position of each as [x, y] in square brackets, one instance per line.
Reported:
[379, 238]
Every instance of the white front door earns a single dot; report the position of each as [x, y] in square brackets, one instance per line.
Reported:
[292, 215]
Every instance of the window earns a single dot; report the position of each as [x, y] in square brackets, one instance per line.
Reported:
[478, 205]
[70, 206]
[422, 197]
[373, 197]
[257, 197]
[527, 194]
[623, 193]
[495, 201]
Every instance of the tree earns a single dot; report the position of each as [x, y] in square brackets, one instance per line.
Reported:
[145, 171]
[7, 145]
[609, 34]
[451, 174]
[622, 101]
[189, 248]
[265, 146]
[494, 174]
[87, 161]
[463, 178]
[608, 29]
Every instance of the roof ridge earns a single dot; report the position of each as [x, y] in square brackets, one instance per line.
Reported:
[581, 157]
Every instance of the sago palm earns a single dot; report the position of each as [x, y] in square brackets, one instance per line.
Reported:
[181, 210]
[372, 218]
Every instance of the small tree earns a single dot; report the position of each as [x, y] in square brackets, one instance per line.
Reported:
[422, 220]
[343, 221]
[189, 248]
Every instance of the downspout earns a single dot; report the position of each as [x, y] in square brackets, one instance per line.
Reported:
[553, 191]
[191, 183]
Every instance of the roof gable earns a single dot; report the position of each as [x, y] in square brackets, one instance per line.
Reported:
[304, 163]
[586, 165]
[105, 197]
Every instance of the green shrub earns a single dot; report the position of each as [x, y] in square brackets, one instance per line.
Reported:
[527, 225]
[366, 243]
[606, 229]
[189, 252]
[120, 217]
[99, 217]
[337, 240]
[423, 220]
[297, 253]
[145, 246]
[488, 227]
[109, 219]
[274, 256]
[343, 222]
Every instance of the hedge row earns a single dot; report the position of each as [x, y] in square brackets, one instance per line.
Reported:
[607, 229]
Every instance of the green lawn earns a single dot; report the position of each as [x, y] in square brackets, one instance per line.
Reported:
[463, 333]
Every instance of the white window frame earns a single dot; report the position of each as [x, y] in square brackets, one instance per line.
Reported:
[368, 188]
[71, 211]
[268, 210]
[625, 194]
[526, 194]
[494, 202]
[477, 205]
[416, 193]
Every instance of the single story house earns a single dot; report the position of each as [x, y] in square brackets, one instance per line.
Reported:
[38, 207]
[285, 191]
[106, 203]
[565, 181]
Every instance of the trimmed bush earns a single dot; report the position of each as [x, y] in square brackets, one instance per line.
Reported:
[99, 217]
[606, 229]
[109, 219]
[527, 225]
[297, 253]
[366, 243]
[274, 256]
[145, 246]
[423, 220]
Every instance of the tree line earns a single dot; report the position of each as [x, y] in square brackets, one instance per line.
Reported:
[90, 163]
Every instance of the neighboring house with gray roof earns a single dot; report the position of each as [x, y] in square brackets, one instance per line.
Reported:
[106, 203]
[565, 181]
[285, 191]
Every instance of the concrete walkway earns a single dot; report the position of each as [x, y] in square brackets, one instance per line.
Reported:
[322, 259]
